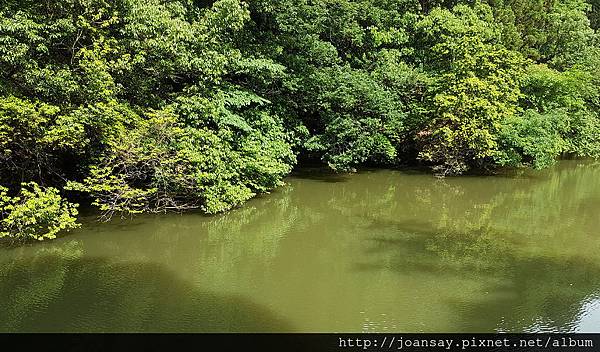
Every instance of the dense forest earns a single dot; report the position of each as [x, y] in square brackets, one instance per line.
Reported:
[153, 105]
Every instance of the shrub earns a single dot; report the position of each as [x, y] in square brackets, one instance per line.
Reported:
[36, 213]
[160, 165]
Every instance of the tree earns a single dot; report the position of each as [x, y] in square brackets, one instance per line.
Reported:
[475, 89]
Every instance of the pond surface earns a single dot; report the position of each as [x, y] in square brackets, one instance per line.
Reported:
[376, 251]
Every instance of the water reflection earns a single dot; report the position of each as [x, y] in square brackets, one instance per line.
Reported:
[375, 251]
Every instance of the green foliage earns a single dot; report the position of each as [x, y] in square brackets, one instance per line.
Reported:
[347, 85]
[476, 89]
[147, 96]
[555, 31]
[162, 165]
[35, 213]
[362, 120]
[569, 33]
[558, 119]
[34, 137]
[154, 105]
[531, 138]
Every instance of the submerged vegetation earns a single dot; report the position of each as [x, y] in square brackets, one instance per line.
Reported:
[153, 105]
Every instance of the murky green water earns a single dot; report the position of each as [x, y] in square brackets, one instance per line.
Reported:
[377, 251]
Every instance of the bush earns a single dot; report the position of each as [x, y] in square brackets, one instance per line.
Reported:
[161, 165]
[35, 213]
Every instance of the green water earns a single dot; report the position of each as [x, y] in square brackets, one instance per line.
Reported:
[375, 251]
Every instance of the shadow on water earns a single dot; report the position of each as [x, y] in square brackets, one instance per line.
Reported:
[320, 174]
[60, 290]
[517, 290]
